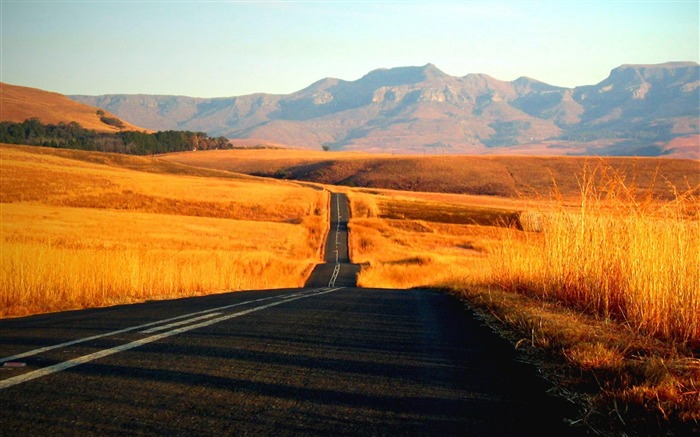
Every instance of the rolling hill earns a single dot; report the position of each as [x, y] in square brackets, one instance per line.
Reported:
[495, 176]
[641, 110]
[18, 103]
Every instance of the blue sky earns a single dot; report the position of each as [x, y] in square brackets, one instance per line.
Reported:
[217, 48]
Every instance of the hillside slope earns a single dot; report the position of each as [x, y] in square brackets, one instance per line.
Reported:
[18, 103]
[502, 176]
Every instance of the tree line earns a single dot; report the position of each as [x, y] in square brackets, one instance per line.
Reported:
[73, 136]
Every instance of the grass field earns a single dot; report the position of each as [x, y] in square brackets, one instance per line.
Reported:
[82, 229]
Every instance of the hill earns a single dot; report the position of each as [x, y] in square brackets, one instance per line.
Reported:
[640, 110]
[19, 103]
[502, 176]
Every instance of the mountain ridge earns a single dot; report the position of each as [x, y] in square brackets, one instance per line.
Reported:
[639, 109]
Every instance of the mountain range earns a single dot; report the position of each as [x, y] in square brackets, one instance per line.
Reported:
[638, 110]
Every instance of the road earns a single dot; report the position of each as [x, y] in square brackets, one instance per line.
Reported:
[328, 359]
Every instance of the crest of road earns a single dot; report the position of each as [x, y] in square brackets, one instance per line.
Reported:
[328, 359]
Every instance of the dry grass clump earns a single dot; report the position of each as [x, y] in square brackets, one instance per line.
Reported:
[623, 256]
[616, 256]
[78, 234]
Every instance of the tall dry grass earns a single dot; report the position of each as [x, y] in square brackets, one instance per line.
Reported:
[76, 234]
[620, 254]
[43, 277]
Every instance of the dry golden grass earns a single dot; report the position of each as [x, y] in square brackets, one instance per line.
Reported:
[77, 233]
[20, 103]
[257, 161]
[619, 255]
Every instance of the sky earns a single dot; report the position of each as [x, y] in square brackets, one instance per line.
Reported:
[231, 48]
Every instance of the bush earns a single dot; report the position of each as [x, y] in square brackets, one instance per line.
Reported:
[112, 121]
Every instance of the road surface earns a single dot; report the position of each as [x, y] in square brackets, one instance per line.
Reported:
[328, 359]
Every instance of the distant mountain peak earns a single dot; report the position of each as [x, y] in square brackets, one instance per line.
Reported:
[403, 75]
[641, 72]
[480, 78]
[431, 71]
[523, 80]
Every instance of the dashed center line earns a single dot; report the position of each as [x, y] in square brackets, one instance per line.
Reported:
[121, 331]
[336, 269]
[183, 322]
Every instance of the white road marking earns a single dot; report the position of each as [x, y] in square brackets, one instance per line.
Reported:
[183, 322]
[334, 276]
[9, 382]
[134, 328]
[336, 269]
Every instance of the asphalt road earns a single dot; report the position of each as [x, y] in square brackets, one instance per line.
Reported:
[329, 359]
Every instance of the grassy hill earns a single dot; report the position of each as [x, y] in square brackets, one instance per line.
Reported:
[503, 176]
[19, 103]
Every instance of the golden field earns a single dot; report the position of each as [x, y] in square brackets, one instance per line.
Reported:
[77, 233]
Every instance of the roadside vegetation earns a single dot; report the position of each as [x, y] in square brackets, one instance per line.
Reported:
[81, 229]
[73, 136]
[601, 292]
